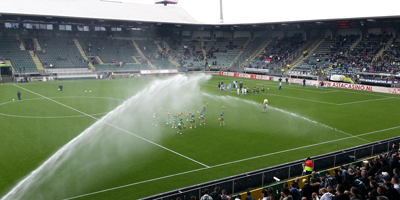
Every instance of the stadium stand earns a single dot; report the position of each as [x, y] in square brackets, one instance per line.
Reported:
[187, 53]
[20, 59]
[220, 53]
[159, 58]
[279, 50]
[325, 54]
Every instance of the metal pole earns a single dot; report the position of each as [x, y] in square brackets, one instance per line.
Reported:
[221, 15]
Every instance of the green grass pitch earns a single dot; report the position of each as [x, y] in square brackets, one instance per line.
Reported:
[132, 158]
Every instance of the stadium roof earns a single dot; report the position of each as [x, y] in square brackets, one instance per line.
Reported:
[98, 9]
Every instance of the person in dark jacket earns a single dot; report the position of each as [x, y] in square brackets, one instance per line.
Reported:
[306, 190]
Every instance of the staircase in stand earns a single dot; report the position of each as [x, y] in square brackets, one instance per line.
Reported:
[98, 59]
[36, 42]
[170, 59]
[78, 45]
[35, 59]
[255, 53]
[241, 52]
[309, 54]
[142, 54]
[203, 50]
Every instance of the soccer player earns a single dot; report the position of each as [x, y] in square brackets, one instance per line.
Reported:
[280, 85]
[192, 120]
[238, 91]
[202, 116]
[244, 90]
[154, 119]
[188, 114]
[228, 88]
[265, 104]
[221, 118]
[262, 89]
[322, 84]
[180, 126]
[168, 117]
[174, 121]
[241, 87]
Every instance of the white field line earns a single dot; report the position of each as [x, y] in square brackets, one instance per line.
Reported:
[232, 162]
[123, 130]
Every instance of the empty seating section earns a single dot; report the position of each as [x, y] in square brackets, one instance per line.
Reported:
[187, 53]
[361, 56]
[221, 53]
[109, 50]
[279, 50]
[21, 60]
[60, 52]
[158, 57]
[326, 54]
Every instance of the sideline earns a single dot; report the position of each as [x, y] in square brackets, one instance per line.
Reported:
[232, 162]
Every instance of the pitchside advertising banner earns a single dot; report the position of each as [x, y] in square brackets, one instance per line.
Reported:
[240, 75]
[315, 83]
[161, 71]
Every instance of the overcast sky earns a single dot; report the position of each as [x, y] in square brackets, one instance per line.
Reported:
[261, 11]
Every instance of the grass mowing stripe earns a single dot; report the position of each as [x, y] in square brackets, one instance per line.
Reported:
[364, 101]
[233, 162]
[292, 114]
[123, 130]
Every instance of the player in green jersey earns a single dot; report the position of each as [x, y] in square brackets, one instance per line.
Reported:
[192, 120]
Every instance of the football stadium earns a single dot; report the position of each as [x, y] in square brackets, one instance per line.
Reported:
[131, 100]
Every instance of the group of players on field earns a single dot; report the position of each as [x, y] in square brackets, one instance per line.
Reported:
[178, 122]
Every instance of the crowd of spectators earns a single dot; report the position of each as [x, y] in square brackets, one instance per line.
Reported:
[378, 180]
[361, 57]
[282, 49]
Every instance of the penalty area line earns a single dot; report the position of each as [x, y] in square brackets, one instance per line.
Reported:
[232, 162]
[116, 127]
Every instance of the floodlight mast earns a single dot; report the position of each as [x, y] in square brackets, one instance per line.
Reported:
[221, 15]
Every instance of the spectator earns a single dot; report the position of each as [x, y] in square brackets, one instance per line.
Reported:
[206, 196]
[373, 189]
[224, 196]
[238, 197]
[307, 190]
[325, 194]
[285, 194]
[314, 175]
[396, 185]
[354, 194]
[345, 177]
[249, 197]
[330, 180]
[294, 191]
[390, 192]
[314, 185]
[340, 193]
[264, 195]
